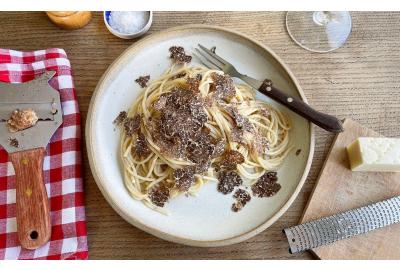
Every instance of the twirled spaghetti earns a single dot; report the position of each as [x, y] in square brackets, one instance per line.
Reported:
[233, 122]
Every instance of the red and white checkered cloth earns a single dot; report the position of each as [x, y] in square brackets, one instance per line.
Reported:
[62, 164]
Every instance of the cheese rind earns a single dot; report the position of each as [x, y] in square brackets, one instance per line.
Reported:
[374, 154]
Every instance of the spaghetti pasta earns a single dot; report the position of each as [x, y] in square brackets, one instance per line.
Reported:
[233, 127]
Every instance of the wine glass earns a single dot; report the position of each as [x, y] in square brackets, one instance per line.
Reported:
[319, 31]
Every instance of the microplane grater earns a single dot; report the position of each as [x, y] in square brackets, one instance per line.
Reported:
[344, 225]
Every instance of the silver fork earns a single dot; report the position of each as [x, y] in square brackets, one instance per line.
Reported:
[323, 120]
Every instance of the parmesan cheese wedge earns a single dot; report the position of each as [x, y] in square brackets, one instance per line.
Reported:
[374, 154]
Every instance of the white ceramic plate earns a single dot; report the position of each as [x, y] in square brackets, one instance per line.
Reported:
[205, 220]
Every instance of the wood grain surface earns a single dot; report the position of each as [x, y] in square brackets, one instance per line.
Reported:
[338, 189]
[360, 80]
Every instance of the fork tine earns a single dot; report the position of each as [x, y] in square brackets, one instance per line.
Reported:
[214, 55]
[210, 59]
[207, 64]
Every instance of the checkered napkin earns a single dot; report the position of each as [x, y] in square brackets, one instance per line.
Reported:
[62, 164]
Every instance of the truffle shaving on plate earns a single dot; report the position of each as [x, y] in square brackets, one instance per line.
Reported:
[193, 125]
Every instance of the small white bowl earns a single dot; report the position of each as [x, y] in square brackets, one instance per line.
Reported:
[106, 15]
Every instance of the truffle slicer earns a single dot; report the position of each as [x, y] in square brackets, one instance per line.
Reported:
[26, 149]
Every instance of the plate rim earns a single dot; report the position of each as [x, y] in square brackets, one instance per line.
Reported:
[148, 40]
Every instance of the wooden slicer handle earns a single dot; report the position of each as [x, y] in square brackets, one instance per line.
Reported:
[33, 214]
[323, 120]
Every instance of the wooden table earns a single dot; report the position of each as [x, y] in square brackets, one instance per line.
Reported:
[360, 80]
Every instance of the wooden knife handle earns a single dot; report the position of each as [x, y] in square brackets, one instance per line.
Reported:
[33, 214]
[323, 120]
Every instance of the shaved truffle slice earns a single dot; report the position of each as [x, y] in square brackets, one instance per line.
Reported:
[178, 99]
[219, 148]
[260, 144]
[159, 196]
[183, 114]
[237, 206]
[194, 83]
[180, 126]
[240, 121]
[197, 110]
[237, 135]
[202, 167]
[267, 185]
[171, 147]
[228, 180]
[131, 125]
[161, 102]
[231, 159]
[178, 54]
[120, 118]
[13, 142]
[243, 122]
[143, 80]
[199, 153]
[242, 198]
[21, 119]
[200, 148]
[178, 129]
[184, 178]
[223, 87]
[141, 148]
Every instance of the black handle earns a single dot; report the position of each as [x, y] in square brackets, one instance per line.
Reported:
[323, 120]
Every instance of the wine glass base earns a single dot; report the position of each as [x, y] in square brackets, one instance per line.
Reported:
[319, 31]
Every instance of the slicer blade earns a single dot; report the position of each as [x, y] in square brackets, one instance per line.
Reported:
[39, 96]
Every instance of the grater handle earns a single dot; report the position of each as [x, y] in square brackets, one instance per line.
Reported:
[33, 215]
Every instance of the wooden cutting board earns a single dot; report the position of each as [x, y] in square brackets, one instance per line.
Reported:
[339, 189]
